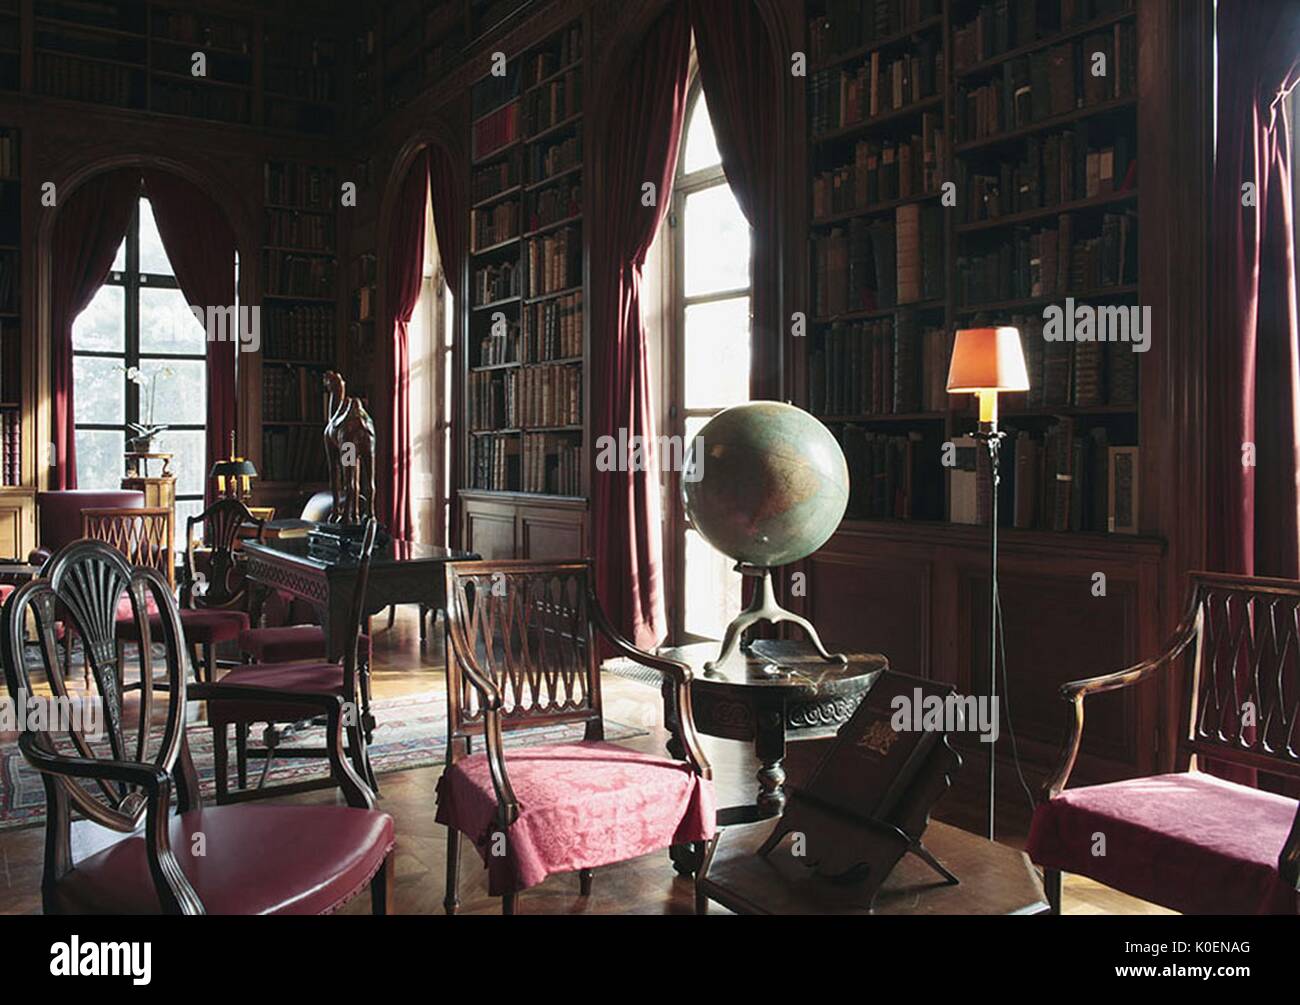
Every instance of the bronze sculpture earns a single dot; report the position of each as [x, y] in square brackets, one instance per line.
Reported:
[350, 454]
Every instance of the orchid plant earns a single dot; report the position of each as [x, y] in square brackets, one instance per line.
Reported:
[146, 431]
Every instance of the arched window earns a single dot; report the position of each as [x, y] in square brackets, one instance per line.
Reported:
[707, 361]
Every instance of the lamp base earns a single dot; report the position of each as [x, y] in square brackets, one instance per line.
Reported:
[763, 607]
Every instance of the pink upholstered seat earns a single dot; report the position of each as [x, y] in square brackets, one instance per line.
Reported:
[288, 643]
[581, 805]
[201, 625]
[1190, 841]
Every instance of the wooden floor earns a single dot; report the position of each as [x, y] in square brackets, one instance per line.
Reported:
[647, 885]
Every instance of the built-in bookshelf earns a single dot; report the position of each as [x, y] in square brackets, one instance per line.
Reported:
[300, 79]
[967, 167]
[299, 317]
[11, 345]
[10, 46]
[525, 393]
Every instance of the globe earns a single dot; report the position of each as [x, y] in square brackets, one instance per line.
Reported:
[765, 483]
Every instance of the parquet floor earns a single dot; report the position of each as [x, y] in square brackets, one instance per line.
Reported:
[647, 885]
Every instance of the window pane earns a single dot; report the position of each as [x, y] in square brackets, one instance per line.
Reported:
[717, 353]
[166, 324]
[186, 508]
[119, 260]
[98, 390]
[187, 449]
[152, 256]
[99, 458]
[717, 242]
[177, 395]
[101, 327]
[712, 588]
[701, 145]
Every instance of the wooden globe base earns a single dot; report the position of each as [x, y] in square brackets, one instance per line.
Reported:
[763, 607]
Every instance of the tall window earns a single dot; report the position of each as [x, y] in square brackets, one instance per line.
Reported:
[138, 357]
[707, 366]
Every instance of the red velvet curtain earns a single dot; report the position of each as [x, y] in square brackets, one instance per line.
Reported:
[402, 286]
[640, 143]
[738, 70]
[1253, 522]
[205, 272]
[87, 231]
[451, 220]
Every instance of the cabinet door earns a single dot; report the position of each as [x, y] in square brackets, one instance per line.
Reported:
[12, 543]
[552, 534]
[489, 528]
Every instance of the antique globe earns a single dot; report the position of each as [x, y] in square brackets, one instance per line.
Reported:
[766, 484]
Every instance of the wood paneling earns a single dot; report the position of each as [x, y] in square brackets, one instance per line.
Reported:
[552, 534]
[17, 525]
[489, 528]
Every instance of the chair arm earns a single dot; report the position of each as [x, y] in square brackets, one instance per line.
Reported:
[677, 680]
[174, 891]
[357, 793]
[39, 556]
[1076, 691]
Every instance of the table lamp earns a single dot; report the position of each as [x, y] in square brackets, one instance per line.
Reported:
[986, 361]
[234, 475]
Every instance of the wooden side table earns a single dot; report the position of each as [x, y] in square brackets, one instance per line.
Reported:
[159, 490]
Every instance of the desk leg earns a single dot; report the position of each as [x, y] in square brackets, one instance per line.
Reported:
[769, 745]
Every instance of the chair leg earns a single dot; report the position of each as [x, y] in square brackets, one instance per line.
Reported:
[508, 903]
[701, 901]
[392, 614]
[1052, 887]
[209, 662]
[451, 898]
[221, 763]
[584, 882]
[424, 634]
[241, 754]
[381, 887]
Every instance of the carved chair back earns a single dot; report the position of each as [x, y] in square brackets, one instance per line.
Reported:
[226, 586]
[143, 535]
[98, 764]
[1240, 640]
[527, 627]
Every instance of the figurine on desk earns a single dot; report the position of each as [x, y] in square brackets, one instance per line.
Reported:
[350, 456]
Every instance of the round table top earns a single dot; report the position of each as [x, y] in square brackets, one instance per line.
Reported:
[791, 667]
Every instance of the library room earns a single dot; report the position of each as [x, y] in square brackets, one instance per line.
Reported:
[650, 457]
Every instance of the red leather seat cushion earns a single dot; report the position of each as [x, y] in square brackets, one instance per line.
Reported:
[5, 590]
[300, 678]
[581, 805]
[288, 643]
[1190, 841]
[200, 625]
[262, 859]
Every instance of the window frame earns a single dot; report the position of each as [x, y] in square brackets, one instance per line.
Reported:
[132, 281]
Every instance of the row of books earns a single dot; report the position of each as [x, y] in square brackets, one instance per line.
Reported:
[878, 86]
[553, 328]
[492, 91]
[301, 332]
[892, 477]
[497, 281]
[496, 130]
[1055, 169]
[496, 349]
[1053, 81]
[498, 222]
[551, 205]
[1051, 261]
[545, 160]
[533, 397]
[555, 261]
[849, 24]
[291, 275]
[10, 285]
[8, 155]
[84, 80]
[288, 228]
[883, 171]
[566, 50]
[552, 103]
[201, 101]
[292, 394]
[303, 186]
[306, 83]
[1083, 374]
[493, 178]
[494, 462]
[890, 366]
[195, 29]
[1004, 25]
[11, 445]
[1062, 478]
[877, 264]
[293, 455]
[552, 464]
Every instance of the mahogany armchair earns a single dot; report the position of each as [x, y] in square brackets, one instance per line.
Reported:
[523, 654]
[146, 535]
[1190, 840]
[254, 859]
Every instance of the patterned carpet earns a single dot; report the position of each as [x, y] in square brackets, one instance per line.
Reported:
[411, 733]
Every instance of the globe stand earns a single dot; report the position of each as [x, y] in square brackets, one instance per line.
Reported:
[763, 607]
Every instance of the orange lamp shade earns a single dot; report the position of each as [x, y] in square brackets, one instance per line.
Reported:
[987, 359]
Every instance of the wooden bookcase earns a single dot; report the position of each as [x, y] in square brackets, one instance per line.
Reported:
[300, 327]
[525, 390]
[1027, 219]
[10, 45]
[17, 501]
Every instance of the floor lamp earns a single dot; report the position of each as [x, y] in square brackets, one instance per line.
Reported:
[984, 362]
